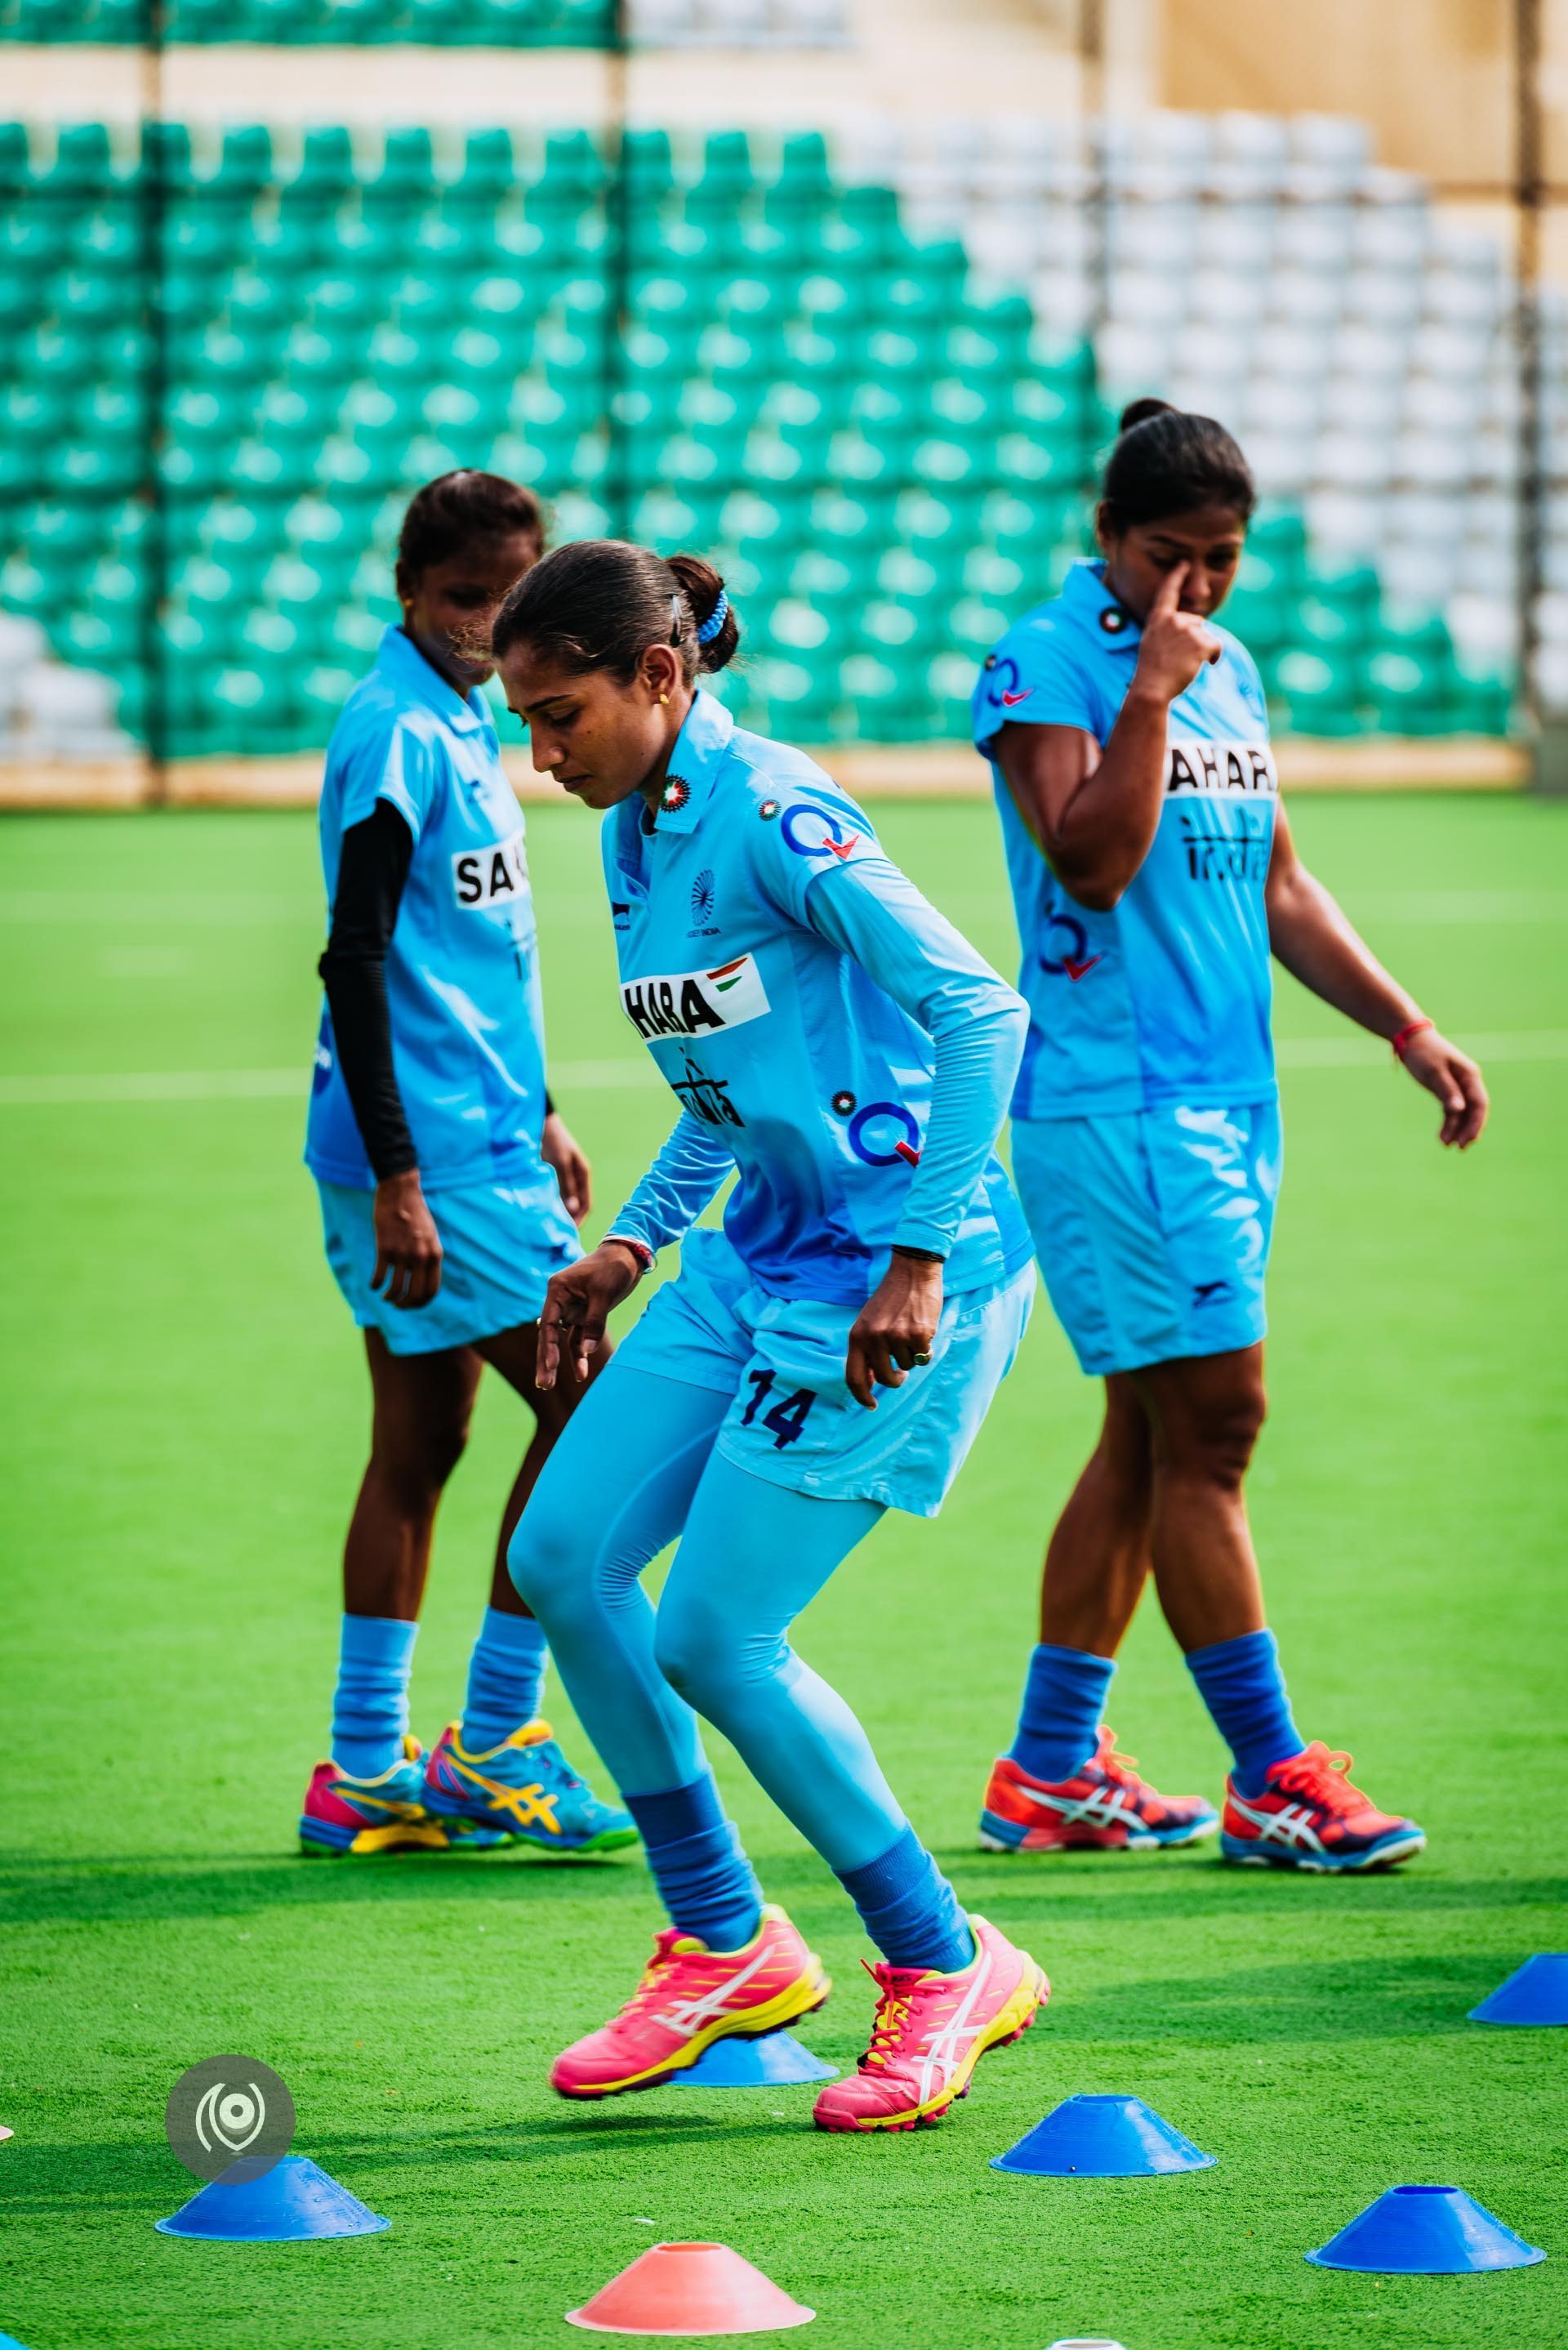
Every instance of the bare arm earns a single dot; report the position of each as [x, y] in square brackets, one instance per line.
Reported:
[1094, 812]
[1318, 946]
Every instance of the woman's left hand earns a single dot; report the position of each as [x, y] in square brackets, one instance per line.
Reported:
[896, 1327]
[558, 1149]
[1456, 1080]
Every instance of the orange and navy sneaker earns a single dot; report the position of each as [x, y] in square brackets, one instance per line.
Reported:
[386, 1814]
[1309, 1816]
[930, 2032]
[688, 1997]
[525, 1790]
[1103, 1807]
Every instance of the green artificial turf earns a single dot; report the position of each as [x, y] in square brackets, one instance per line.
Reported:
[184, 1406]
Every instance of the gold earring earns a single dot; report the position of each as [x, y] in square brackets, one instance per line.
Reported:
[663, 700]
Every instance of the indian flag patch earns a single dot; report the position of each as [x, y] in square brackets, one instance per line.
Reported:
[696, 1002]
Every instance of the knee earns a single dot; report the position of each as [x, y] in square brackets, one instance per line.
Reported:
[1216, 1437]
[413, 1464]
[545, 1557]
[695, 1652]
[1125, 1444]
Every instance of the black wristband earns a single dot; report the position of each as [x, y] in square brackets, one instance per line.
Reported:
[917, 1255]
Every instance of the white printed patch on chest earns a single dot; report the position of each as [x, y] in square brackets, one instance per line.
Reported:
[696, 1002]
[494, 875]
[1245, 769]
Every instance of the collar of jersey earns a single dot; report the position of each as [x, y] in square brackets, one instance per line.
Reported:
[1085, 595]
[416, 680]
[700, 752]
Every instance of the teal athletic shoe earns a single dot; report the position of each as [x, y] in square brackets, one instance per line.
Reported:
[525, 1788]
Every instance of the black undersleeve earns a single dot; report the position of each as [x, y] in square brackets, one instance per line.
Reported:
[372, 867]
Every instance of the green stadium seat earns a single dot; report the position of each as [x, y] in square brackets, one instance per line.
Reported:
[15, 158]
[1319, 693]
[489, 168]
[84, 161]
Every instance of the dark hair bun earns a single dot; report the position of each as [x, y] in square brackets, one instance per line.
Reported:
[701, 587]
[1138, 411]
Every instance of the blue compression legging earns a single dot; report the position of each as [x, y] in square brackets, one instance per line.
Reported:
[636, 1467]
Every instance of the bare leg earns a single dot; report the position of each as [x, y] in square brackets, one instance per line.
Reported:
[513, 1354]
[422, 1404]
[1205, 1413]
[1098, 1557]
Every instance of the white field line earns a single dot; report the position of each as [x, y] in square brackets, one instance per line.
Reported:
[70, 1092]
[568, 1077]
[229, 909]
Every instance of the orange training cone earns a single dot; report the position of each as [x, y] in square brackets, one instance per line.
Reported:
[690, 2289]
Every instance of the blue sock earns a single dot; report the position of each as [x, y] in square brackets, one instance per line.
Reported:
[704, 1878]
[370, 1708]
[1240, 1683]
[1059, 1720]
[505, 1676]
[909, 1909]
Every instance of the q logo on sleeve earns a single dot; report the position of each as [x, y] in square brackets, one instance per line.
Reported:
[816, 832]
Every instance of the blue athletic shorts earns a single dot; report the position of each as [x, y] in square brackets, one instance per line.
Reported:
[1152, 1228]
[500, 1242]
[792, 1421]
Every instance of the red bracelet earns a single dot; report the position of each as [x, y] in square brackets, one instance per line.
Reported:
[1411, 1028]
[639, 1249]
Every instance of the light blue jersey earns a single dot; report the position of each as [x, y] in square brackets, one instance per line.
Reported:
[799, 996]
[1164, 999]
[462, 972]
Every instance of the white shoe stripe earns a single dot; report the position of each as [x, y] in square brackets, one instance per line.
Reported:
[1292, 1826]
[942, 2047]
[691, 2015]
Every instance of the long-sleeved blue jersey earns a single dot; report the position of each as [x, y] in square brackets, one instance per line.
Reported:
[825, 1031]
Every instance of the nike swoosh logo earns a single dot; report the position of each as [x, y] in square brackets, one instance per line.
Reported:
[843, 848]
[1076, 971]
[1012, 699]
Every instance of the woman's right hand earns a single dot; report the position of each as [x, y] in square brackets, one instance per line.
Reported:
[577, 1303]
[408, 1246]
[1175, 644]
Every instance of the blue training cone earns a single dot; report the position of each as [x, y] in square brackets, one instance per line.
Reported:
[777, 2061]
[1425, 2232]
[1102, 2137]
[295, 2199]
[1536, 1992]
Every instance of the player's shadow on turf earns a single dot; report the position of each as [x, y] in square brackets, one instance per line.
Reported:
[1135, 1888]
[123, 1889]
[1338, 1999]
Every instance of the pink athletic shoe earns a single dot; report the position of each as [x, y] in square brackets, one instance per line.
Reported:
[688, 1997]
[930, 2032]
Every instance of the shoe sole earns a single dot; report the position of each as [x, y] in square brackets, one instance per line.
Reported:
[606, 1839]
[806, 1996]
[1010, 2023]
[1150, 1840]
[318, 1840]
[1387, 1856]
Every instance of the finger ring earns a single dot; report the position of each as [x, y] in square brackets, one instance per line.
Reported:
[922, 1359]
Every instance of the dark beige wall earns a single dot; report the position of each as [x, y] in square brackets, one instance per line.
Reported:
[1434, 77]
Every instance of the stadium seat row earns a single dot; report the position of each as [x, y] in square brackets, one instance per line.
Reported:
[215, 404]
[446, 24]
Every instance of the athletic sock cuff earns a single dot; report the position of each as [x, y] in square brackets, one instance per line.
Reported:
[676, 1813]
[520, 1637]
